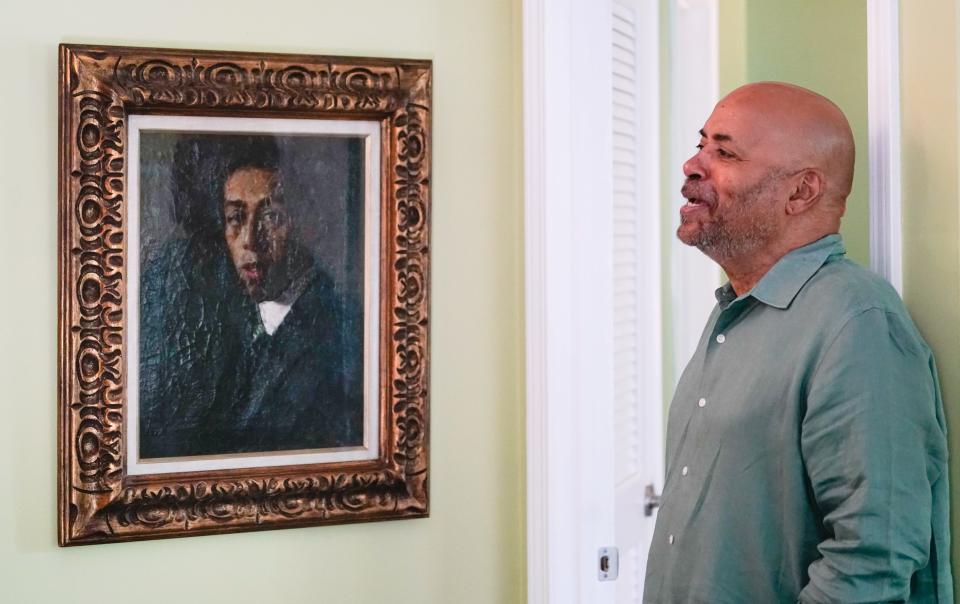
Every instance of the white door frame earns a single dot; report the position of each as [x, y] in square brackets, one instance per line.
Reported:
[568, 273]
[883, 118]
[569, 285]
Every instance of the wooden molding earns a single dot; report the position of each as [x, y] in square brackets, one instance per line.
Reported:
[883, 108]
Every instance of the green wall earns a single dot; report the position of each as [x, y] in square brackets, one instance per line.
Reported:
[471, 548]
[931, 201]
[818, 44]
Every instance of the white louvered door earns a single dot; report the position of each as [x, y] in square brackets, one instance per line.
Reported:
[597, 364]
[638, 361]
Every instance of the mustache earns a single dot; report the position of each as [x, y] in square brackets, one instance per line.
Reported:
[693, 189]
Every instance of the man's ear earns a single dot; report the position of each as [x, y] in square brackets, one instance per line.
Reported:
[807, 191]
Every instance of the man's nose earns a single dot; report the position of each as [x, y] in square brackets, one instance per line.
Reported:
[248, 234]
[693, 168]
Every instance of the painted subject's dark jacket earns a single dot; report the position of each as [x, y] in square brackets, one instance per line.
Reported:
[213, 382]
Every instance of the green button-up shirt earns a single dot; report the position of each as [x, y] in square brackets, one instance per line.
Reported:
[806, 448]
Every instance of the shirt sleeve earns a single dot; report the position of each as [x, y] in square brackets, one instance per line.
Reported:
[873, 447]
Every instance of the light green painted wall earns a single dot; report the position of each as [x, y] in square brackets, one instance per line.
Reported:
[931, 200]
[471, 548]
[732, 26]
[818, 44]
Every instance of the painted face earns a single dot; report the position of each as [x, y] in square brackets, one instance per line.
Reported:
[733, 187]
[256, 229]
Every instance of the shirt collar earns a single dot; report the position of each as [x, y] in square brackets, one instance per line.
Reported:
[780, 285]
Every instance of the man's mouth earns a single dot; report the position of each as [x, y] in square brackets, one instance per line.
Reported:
[251, 272]
[694, 204]
[698, 198]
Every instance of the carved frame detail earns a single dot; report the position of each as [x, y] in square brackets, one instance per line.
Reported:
[99, 87]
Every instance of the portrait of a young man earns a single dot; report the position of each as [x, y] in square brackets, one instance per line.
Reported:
[251, 294]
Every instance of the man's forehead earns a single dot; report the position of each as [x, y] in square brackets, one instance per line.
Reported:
[737, 123]
[250, 180]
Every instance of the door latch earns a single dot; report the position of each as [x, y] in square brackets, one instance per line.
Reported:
[651, 500]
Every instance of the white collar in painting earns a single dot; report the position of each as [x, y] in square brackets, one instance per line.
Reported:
[273, 312]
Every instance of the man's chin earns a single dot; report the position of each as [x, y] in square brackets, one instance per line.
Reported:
[689, 234]
[698, 238]
[255, 290]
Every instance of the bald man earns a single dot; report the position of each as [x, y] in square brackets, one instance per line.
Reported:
[806, 447]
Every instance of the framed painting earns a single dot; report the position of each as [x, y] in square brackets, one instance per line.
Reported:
[244, 278]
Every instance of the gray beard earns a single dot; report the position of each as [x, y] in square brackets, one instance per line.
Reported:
[722, 240]
[747, 227]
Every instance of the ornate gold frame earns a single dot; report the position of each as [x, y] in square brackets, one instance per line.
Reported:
[101, 85]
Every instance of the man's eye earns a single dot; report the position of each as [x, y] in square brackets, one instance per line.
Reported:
[724, 153]
[234, 218]
[271, 218]
[699, 146]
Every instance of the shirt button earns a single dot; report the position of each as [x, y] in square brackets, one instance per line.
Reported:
[721, 339]
[685, 470]
[702, 402]
[670, 539]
